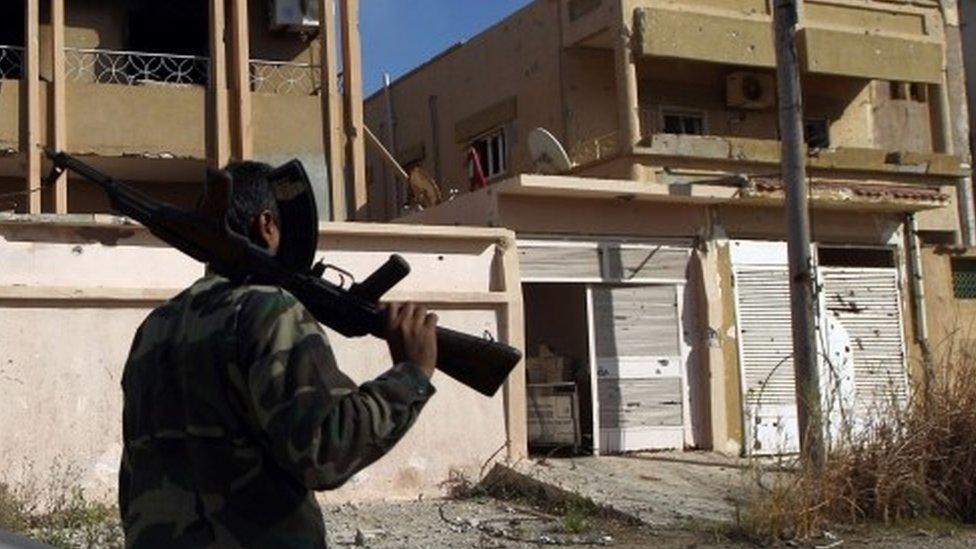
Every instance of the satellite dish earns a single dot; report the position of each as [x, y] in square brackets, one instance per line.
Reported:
[425, 191]
[547, 152]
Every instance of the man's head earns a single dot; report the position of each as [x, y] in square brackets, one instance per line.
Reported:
[254, 211]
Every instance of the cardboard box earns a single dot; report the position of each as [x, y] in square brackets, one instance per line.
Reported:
[547, 367]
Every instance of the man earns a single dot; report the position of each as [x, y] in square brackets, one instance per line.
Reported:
[235, 411]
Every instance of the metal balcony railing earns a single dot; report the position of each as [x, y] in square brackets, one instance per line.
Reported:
[11, 62]
[135, 68]
[285, 78]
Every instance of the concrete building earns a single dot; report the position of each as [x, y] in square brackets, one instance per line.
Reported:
[656, 261]
[153, 92]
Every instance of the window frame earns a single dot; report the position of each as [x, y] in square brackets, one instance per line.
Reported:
[669, 110]
[496, 136]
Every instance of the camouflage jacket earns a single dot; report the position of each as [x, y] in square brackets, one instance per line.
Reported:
[235, 411]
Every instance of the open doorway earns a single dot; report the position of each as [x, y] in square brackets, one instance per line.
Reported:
[558, 369]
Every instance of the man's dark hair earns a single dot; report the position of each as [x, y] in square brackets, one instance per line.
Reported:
[252, 195]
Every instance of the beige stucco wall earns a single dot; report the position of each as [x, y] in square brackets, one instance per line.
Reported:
[10, 107]
[517, 58]
[711, 226]
[287, 127]
[115, 120]
[73, 292]
[951, 321]
[581, 90]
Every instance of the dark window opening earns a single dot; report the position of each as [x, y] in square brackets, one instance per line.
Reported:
[964, 278]
[919, 92]
[11, 39]
[683, 122]
[173, 29]
[898, 90]
[816, 133]
[856, 257]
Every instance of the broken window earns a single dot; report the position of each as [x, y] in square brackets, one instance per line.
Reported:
[683, 122]
[964, 278]
[492, 154]
[816, 133]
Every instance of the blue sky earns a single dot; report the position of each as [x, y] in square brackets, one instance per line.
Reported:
[398, 35]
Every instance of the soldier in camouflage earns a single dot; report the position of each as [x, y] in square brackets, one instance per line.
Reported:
[235, 411]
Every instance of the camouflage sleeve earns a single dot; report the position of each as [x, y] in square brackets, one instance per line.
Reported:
[317, 424]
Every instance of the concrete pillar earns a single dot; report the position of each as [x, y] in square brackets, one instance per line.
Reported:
[332, 137]
[352, 88]
[512, 332]
[240, 63]
[30, 92]
[59, 122]
[629, 131]
[218, 127]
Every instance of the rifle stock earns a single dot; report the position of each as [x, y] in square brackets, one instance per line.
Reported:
[481, 364]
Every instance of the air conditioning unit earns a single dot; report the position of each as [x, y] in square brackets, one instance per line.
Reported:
[294, 15]
[750, 90]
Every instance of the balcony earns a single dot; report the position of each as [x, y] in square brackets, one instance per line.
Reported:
[285, 78]
[876, 39]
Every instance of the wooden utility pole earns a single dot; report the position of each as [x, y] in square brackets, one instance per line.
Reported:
[805, 361]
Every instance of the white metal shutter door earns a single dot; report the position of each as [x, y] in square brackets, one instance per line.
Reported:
[559, 261]
[766, 359]
[867, 303]
[638, 360]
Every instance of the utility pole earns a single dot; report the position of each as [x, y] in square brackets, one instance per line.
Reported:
[805, 361]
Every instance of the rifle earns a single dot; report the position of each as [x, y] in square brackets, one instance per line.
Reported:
[204, 235]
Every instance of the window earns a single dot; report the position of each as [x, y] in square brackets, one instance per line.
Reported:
[683, 122]
[11, 39]
[964, 278]
[918, 92]
[173, 28]
[816, 133]
[855, 257]
[492, 154]
[903, 91]
[898, 90]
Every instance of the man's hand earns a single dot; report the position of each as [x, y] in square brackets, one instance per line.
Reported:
[412, 336]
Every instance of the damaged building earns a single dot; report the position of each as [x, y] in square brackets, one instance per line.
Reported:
[632, 145]
[152, 93]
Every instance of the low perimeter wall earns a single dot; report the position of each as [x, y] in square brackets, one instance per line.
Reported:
[73, 290]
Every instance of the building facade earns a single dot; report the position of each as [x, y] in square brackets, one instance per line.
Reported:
[656, 261]
[155, 91]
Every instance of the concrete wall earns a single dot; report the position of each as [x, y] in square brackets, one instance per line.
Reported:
[73, 291]
[516, 60]
[10, 121]
[116, 120]
[952, 322]
[711, 317]
[581, 89]
[287, 127]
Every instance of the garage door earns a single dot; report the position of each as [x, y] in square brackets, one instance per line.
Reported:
[639, 367]
[861, 345]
